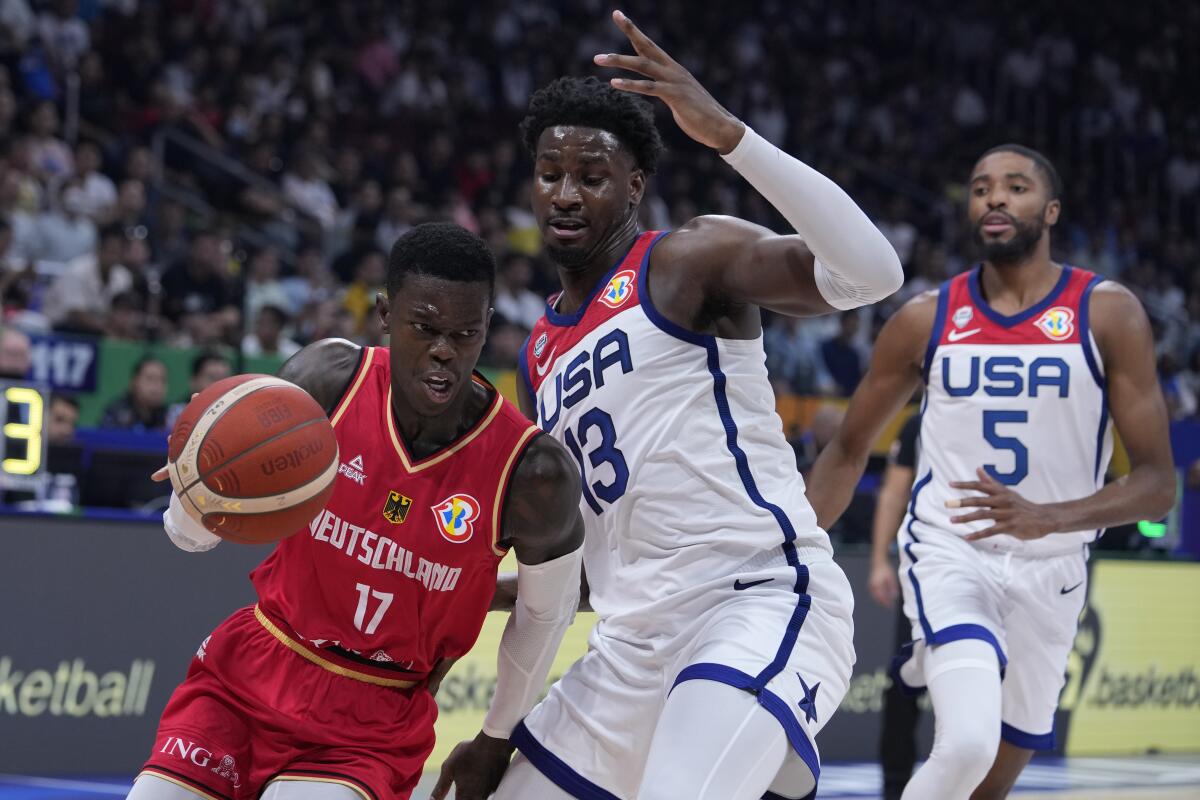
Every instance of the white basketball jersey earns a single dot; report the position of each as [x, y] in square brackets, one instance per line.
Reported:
[1021, 396]
[687, 475]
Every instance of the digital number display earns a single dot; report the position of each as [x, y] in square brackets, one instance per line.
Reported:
[23, 445]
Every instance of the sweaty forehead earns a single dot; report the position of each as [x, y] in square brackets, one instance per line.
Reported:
[575, 141]
[431, 298]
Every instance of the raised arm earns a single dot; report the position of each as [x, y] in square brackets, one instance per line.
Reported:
[891, 379]
[840, 260]
[544, 528]
[1139, 412]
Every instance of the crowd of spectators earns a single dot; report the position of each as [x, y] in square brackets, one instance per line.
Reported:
[230, 174]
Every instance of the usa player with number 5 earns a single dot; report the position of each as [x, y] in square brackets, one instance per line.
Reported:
[725, 638]
[1025, 363]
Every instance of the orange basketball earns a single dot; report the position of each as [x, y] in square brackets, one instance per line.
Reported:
[253, 458]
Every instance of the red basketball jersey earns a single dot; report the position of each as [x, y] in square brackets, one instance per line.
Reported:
[398, 570]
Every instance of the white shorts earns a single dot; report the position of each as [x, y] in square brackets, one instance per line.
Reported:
[786, 635]
[1027, 608]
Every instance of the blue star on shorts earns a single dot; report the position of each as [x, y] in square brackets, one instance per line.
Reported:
[809, 703]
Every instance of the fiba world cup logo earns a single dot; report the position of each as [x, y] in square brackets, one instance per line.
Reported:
[1057, 323]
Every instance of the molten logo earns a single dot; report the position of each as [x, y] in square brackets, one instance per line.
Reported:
[455, 516]
[293, 459]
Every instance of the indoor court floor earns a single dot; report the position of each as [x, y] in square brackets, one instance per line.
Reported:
[1142, 778]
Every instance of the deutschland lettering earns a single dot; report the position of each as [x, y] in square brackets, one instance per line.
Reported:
[73, 690]
[380, 552]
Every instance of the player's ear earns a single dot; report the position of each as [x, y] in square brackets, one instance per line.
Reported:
[637, 187]
[383, 309]
[1053, 209]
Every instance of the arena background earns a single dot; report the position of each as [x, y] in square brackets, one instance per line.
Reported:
[238, 169]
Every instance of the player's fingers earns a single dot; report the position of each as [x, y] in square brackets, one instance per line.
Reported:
[160, 474]
[985, 500]
[988, 480]
[640, 41]
[975, 515]
[985, 533]
[638, 64]
[974, 486]
[651, 88]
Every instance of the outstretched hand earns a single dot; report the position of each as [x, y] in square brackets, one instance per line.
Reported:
[1013, 514]
[695, 111]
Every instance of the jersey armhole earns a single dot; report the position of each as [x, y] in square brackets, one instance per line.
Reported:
[501, 501]
[939, 322]
[353, 383]
[1091, 350]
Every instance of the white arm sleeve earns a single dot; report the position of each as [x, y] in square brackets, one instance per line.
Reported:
[547, 596]
[856, 265]
[187, 533]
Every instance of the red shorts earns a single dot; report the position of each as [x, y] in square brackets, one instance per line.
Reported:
[254, 708]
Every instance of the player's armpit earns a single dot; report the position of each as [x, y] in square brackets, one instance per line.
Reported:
[324, 370]
[891, 379]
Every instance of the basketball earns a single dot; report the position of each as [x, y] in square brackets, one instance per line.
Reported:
[253, 458]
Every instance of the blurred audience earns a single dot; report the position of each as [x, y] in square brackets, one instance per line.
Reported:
[143, 407]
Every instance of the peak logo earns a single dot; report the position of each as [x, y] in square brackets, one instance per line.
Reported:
[72, 690]
[354, 470]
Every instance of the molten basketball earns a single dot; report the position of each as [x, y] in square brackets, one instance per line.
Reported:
[253, 458]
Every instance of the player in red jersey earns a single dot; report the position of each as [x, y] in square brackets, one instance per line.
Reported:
[324, 689]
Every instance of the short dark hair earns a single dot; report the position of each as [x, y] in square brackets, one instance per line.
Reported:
[1043, 164]
[591, 103]
[143, 362]
[201, 361]
[442, 250]
[62, 397]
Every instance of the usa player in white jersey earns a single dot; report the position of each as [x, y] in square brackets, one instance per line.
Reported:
[1026, 365]
[725, 638]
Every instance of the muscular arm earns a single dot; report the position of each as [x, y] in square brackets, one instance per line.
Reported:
[1127, 347]
[893, 376]
[541, 512]
[543, 525]
[324, 369]
[844, 261]
[506, 582]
